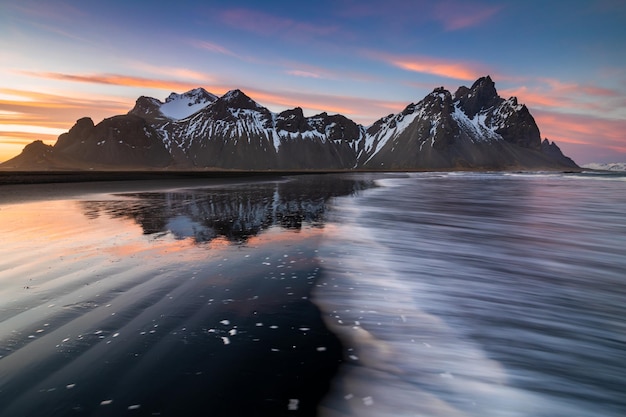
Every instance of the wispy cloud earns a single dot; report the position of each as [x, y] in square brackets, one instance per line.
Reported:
[29, 115]
[553, 94]
[117, 79]
[584, 119]
[456, 69]
[268, 24]
[40, 113]
[561, 87]
[58, 11]
[300, 69]
[456, 15]
[181, 73]
[305, 74]
[585, 138]
[15, 101]
[213, 47]
[581, 129]
[452, 15]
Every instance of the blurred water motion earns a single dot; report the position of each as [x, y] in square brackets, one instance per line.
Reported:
[458, 294]
[480, 295]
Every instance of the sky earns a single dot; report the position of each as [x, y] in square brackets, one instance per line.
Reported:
[365, 59]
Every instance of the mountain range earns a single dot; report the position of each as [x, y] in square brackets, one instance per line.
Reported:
[474, 128]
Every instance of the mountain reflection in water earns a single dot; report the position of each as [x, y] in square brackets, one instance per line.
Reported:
[186, 302]
[235, 213]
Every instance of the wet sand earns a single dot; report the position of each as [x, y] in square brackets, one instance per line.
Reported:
[110, 313]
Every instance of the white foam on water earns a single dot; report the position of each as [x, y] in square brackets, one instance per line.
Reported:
[402, 361]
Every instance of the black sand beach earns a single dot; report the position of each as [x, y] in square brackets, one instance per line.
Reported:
[48, 177]
[191, 302]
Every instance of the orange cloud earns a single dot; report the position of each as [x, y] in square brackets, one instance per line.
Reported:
[29, 115]
[178, 72]
[54, 110]
[12, 143]
[116, 79]
[443, 69]
[458, 70]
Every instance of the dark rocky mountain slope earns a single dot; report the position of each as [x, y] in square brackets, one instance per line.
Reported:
[473, 129]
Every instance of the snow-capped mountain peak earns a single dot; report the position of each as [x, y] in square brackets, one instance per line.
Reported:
[179, 106]
[239, 100]
[475, 127]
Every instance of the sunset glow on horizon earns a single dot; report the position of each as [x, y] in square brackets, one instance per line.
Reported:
[64, 60]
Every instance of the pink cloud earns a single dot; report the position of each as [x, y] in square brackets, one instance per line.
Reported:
[570, 97]
[583, 137]
[532, 98]
[558, 86]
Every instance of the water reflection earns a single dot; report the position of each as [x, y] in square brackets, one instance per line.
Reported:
[109, 314]
[234, 213]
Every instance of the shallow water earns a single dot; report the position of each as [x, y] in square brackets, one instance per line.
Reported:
[453, 295]
[181, 302]
[480, 295]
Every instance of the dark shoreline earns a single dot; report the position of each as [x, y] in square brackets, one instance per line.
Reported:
[54, 177]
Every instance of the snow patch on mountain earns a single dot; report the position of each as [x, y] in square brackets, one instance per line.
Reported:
[181, 106]
[476, 126]
[390, 129]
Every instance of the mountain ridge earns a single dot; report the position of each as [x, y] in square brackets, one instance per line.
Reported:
[474, 128]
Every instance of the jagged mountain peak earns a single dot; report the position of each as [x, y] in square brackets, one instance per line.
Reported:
[148, 107]
[179, 106]
[238, 99]
[475, 127]
[481, 96]
[194, 96]
[439, 96]
[484, 83]
[292, 120]
[234, 104]
[176, 106]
